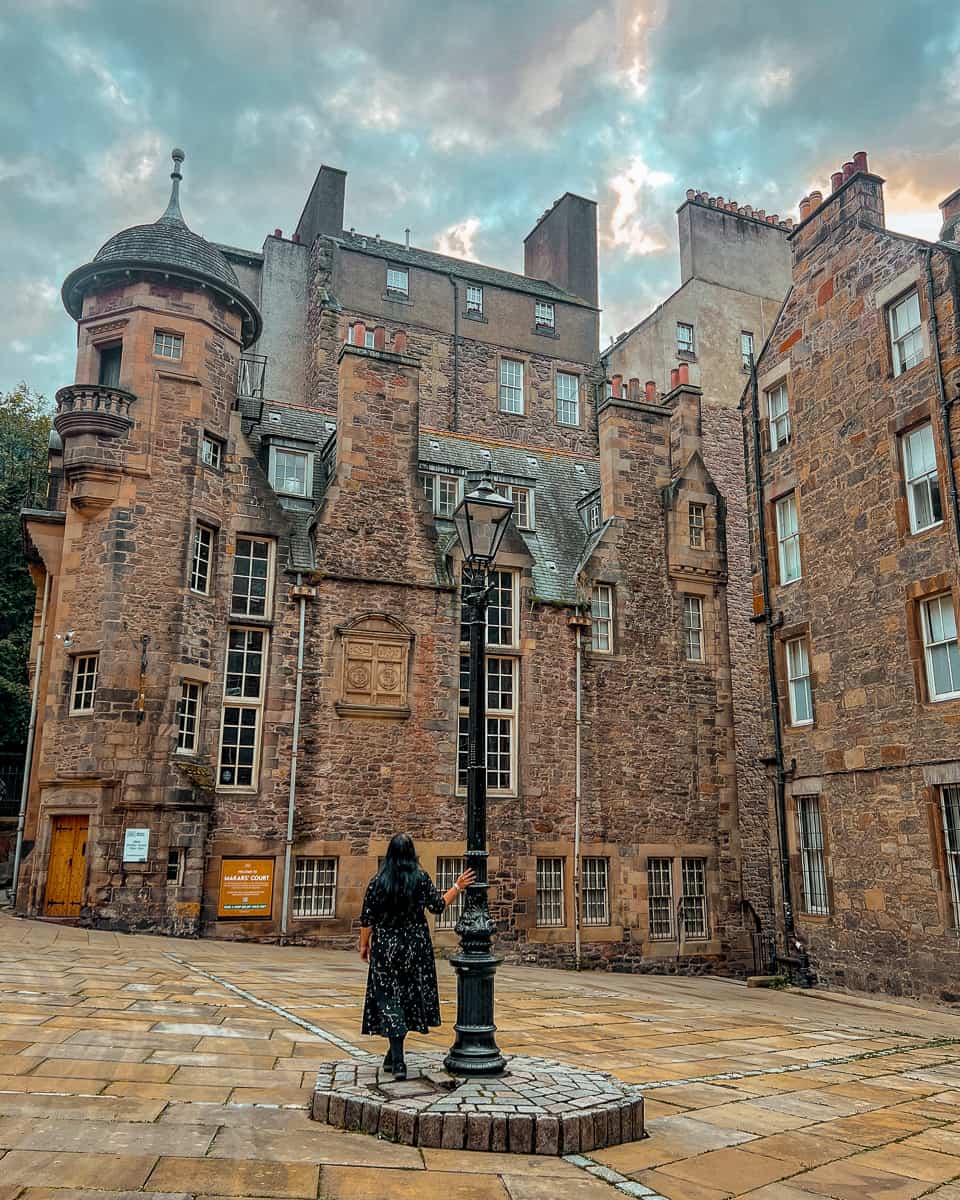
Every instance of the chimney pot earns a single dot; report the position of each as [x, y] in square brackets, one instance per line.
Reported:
[616, 382]
[278, 233]
[804, 208]
[816, 199]
[400, 341]
[633, 389]
[836, 179]
[860, 161]
[296, 239]
[788, 223]
[674, 378]
[359, 333]
[848, 169]
[379, 338]
[650, 387]
[683, 373]
[747, 210]
[691, 194]
[761, 214]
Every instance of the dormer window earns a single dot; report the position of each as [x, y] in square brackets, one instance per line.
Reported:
[291, 471]
[443, 492]
[522, 498]
[398, 281]
[544, 315]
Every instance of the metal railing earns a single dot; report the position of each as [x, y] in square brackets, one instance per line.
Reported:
[11, 782]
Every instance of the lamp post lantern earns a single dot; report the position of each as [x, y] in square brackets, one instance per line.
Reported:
[481, 519]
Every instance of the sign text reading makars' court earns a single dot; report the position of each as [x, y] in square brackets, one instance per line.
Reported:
[246, 887]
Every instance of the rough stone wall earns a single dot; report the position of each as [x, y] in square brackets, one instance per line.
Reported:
[878, 746]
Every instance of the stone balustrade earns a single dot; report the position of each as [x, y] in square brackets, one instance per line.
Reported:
[93, 408]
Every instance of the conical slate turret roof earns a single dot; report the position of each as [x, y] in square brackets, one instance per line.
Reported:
[168, 248]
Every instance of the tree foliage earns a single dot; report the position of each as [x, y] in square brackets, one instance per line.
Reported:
[24, 430]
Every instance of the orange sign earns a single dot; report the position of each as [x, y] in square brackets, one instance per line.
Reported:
[246, 887]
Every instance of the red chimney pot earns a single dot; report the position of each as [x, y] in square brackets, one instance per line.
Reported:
[860, 161]
[674, 378]
[848, 169]
[616, 382]
[400, 341]
[651, 390]
[278, 233]
[683, 373]
[836, 179]
[379, 338]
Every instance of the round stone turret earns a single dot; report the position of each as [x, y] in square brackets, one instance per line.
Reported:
[167, 249]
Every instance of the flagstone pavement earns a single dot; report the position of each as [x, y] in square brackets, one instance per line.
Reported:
[161, 1069]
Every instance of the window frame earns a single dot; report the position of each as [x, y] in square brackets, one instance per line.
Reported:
[930, 477]
[510, 490]
[950, 832]
[700, 898]
[599, 619]
[200, 529]
[176, 858]
[792, 536]
[307, 455]
[393, 289]
[519, 388]
[545, 315]
[697, 529]
[682, 347]
[656, 893]
[115, 346]
[246, 615]
[445, 877]
[473, 307]
[176, 341]
[745, 357]
[779, 423]
[184, 716]
[88, 691]
[926, 629]
[590, 862]
[207, 439]
[794, 680]
[693, 607]
[557, 869]
[244, 704]
[494, 719]
[431, 482]
[897, 359]
[561, 400]
[811, 844]
[299, 887]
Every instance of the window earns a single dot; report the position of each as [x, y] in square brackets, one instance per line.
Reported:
[543, 315]
[693, 900]
[239, 743]
[398, 280]
[175, 864]
[522, 504]
[443, 492]
[315, 887]
[940, 647]
[660, 898]
[511, 386]
[245, 655]
[251, 596]
[188, 717]
[810, 835]
[368, 337]
[568, 398]
[923, 482]
[950, 810]
[788, 538]
[596, 891]
[905, 338]
[697, 518]
[84, 683]
[203, 537]
[798, 682]
[502, 707]
[684, 338]
[448, 872]
[291, 471]
[474, 300]
[594, 515]
[502, 609]
[601, 618]
[550, 891]
[778, 411]
[110, 357]
[746, 348]
[211, 452]
[168, 345]
[693, 628]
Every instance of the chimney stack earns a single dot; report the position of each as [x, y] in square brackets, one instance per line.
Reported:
[950, 214]
[562, 247]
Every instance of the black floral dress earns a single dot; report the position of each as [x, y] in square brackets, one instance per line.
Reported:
[402, 980]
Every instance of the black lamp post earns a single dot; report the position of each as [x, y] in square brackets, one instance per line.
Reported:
[481, 519]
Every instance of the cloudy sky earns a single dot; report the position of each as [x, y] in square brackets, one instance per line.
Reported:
[463, 121]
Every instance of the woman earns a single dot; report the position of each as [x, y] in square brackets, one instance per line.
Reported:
[395, 941]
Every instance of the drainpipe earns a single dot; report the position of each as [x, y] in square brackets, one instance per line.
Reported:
[456, 350]
[780, 802]
[576, 809]
[31, 733]
[294, 752]
[942, 395]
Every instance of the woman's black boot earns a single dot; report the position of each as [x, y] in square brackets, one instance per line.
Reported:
[388, 1060]
[396, 1053]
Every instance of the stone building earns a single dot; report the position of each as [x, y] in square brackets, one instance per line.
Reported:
[852, 442]
[250, 568]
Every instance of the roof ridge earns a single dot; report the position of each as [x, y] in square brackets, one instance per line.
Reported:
[545, 452]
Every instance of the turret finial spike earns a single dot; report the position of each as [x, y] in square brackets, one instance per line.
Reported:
[173, 212]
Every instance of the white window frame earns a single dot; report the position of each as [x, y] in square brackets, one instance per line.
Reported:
[245, 612]
[936, 637]
[746, 348]
[567, 405]
[449, 870]
[211, 452]
[201, 558]
[278, 484]
[438, 487]
[398, 281]
[693, 650]
[242, 704]
[322, 883]
[660, 889]
[595, 882]
[797, 656]
[601, 618]
[685, 344]
[778, 416]
[788, 537]
[815, 893]
[168, 345]
[921, 475]
[594, 515]
[544, 314]
[473, 303]
[83, 685]
[511, 392]
[550, 892]
[906, 338]
[950, 816]
[697, 525]
[500, 720]
[693, 899]
[368, 337]
[176, 858]
[513, 492]
[189, 710]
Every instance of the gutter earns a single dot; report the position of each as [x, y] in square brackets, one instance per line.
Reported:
[31, 735]
[945, 404]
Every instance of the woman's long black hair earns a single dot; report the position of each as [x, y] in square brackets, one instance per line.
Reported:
[400, 870]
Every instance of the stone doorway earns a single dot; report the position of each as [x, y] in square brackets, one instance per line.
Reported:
[66, 866]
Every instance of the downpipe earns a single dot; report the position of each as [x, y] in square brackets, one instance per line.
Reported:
[577, 905]
[294, 755]
[945, 404]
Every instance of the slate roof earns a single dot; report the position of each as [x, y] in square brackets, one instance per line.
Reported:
[168, 242]
[461, 267]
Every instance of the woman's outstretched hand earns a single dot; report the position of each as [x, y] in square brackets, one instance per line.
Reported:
[464, 880]
[365, 953]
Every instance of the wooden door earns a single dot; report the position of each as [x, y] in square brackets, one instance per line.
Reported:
[67, 866]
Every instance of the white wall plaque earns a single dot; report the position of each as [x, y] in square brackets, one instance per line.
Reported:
[136, 842]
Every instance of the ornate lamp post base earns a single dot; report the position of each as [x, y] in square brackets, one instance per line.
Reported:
[474, 1051]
